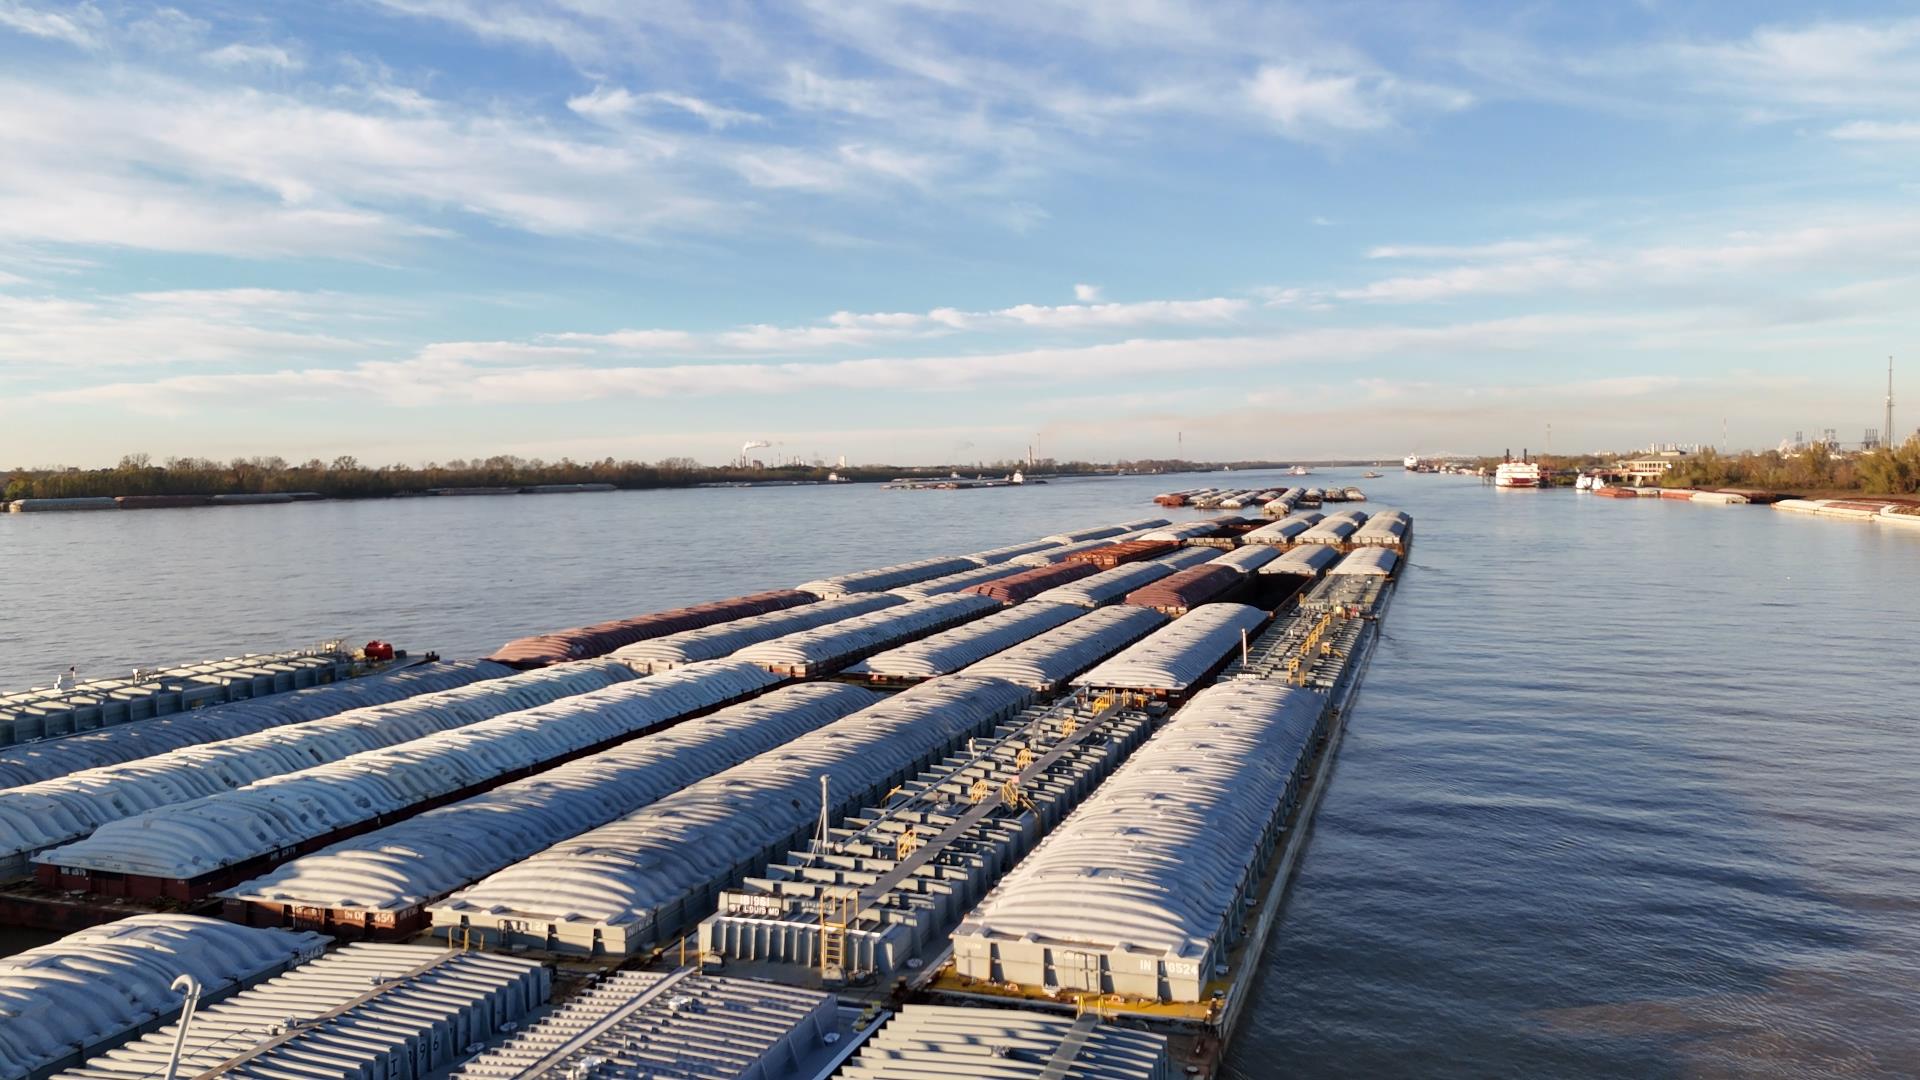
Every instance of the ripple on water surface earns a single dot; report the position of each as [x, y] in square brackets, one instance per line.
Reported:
[1627, 794]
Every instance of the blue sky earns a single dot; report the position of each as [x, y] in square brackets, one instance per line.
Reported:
[417, 230]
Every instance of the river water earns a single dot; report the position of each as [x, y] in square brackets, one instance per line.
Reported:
[1633, 788]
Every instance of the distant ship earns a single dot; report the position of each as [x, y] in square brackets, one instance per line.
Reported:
[1299, 470]
[1517, 474]
[1370, 475]
[1411, 463]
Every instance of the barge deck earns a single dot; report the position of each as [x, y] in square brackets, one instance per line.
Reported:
[1246, 705]
[1200, 1032]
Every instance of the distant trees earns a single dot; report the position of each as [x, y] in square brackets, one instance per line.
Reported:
[1891, 470]
[1886, 471]
[347, 478]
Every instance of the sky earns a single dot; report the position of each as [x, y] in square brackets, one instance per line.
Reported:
[911, 232]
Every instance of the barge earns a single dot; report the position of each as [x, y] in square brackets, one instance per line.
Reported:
[1319, 656]
[941, 859]
[378, 886]
[187, 852]
[73, 705]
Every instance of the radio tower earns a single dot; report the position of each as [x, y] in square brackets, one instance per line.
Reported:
[1889, 439]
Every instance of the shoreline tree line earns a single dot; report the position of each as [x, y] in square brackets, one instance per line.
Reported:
[345, 477]
[1885, 471]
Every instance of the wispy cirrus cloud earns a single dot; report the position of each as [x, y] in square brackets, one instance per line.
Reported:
[1815, 65]
[1844, 241]
[684, 123]
[641, 178]
[1878, 131]
[144, 331]
[1498, 249]
[1308, 104]
[243, 55]
[923, 78]
[440, 378]
[74, 24]
[235, 331]
[153, 162]
[1777, 72]
[607, 103]
[847, 328]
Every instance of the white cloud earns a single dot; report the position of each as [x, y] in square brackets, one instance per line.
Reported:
[1138, 313]
[888, 320]
[455, 354]
[1279, 296]
[1518, 276]
[158, 164]
[848, 328]
[1849, 243]
[1501, 249]
[850, 167]
[80, 207]
[417, 381]
[203, 327]
[229, 300]
[1832, 63]
[635, 341]
[1877, 131]
[1852, 243]
[842, 329]
[1302, 102]
[78, 24]
[716, 117]
[166, 30]
[1783, 72]
[813, 91]
[1309, 104]
[512, 21]
[918, 169]
[781, 339]
[870, 104]
[239, 55]
[1086, 294]
[904, 78]
[1775, 73]
[604, 102]
[781, 167]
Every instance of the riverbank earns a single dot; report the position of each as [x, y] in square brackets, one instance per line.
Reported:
[174, 502]
[133, 484]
